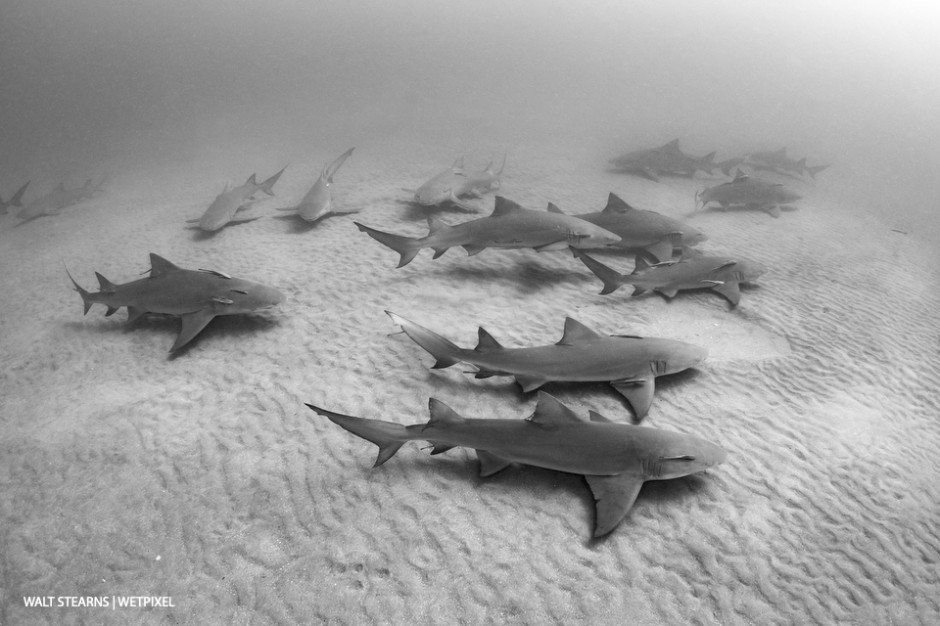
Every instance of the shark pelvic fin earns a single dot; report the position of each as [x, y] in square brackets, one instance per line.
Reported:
[613, 498]
[551, 412]
[490, 463]
[638, 392]
[575, 331]
[486, 342]
[529, 383]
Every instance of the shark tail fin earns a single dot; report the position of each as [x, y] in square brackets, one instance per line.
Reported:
[444, 350]
[330, 170]
[388, 436]
[17, 199]
[86, 297]
[407, 247]
[611, 278]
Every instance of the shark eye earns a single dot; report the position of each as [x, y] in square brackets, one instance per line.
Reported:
[685, 457]
[244, 293]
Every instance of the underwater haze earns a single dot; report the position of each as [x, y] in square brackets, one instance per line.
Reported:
[198, 479]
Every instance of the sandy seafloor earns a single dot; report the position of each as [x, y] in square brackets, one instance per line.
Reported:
[204, 478]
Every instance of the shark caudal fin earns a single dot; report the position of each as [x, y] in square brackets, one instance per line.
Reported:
[444, 350]
[407, 247]
[611, 278]
[388, 436]
[330, 170]
[86, 296]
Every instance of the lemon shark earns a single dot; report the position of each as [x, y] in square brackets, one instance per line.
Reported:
[226, 206]
[15, 200]
[53, 202]
[746, 192]
[652, 232]
[508, 226]
[615, 458]
[667, 159]
[719, 274]
[456, 183]
[629, 363]
[195, 296]
[318, 203]
[778, 162]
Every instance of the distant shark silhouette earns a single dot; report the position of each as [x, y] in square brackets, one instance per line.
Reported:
[749, 193]
[318, 203]
[508, 226]
[195, 296]
[16, 200]
[667, 159]
[615, 459]
[630, 364]
[778, 162]
[58, 199]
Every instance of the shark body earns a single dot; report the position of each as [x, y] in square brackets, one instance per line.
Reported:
[642, 230]
[53, 202]
[508, 226]
[195, 296]
[719, 274]
[615, 458]
[455, 184]
[318, 202]
[630, 364]
[749, 193]
[226, 206]
[667, 159]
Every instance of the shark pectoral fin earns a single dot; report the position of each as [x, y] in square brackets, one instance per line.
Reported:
[650, 174]
[111, 311]
[490, 463]
[730, 291]
[472, 249]
[774, 211]
[134, 314]
[662, 250]
[638, 392]
[193, 323]
[439, 251]
[193, 221]
[530, 383]
[613, 498]
[669, 293]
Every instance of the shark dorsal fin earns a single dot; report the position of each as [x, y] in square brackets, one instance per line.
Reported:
[739, 175]
[435, 224]
[441, 413]
[672, 145]
[159, 265]
[550, 412]
[486, 342]
[553, 208]
[251, 180]
[504, 206]
[615, 204]
[641, 264]
[104, 284]
[576, 331]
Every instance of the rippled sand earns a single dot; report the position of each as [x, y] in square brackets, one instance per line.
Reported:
[204, 478]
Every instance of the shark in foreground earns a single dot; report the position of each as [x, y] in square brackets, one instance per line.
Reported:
[224, 209]
[689, 272]
[648, 231]
[508, 226]
[615, 459]
[667, 159]
[746, 192]
[456, 183]
[195, 296]
[15, 200]
[318, 203]
[630, 364]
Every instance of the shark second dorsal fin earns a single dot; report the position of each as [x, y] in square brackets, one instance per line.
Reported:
[441, 413]
[504, 206]
[641, 264]
[575, 331]
[553, 208]
[486, 342]
[251, 180]
[435, 224]
[672, 145]
[159, 265]
[105, 285]
[551, 412]
[739, 175]
[615, 204]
